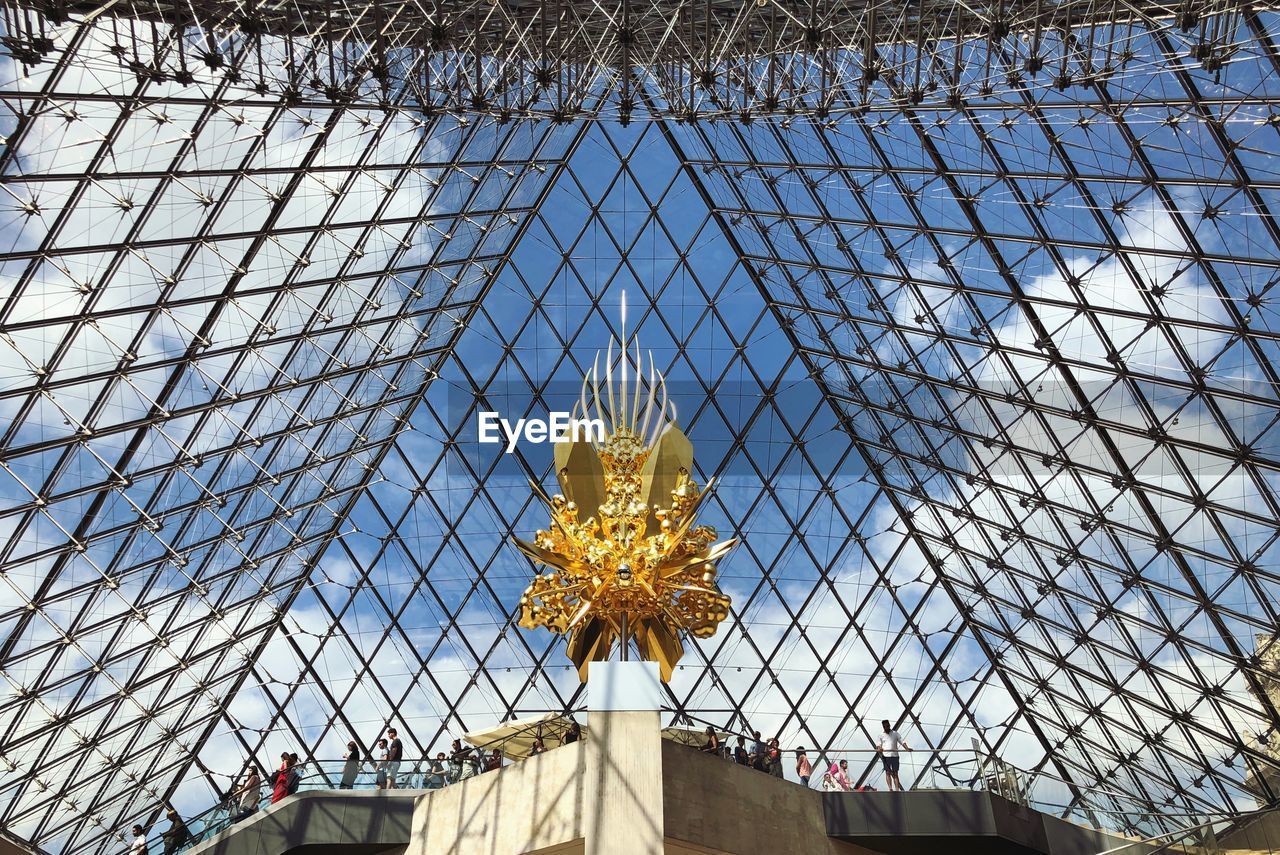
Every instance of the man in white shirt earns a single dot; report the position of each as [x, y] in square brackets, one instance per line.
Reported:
[139, 844]
[890, 744]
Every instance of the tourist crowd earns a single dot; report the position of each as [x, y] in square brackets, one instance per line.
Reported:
[767, 757]
[463, 761]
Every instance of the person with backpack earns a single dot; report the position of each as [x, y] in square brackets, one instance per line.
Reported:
[280, 779]
[295, 774]
[436, 774]
[774, 761]
[176, 834]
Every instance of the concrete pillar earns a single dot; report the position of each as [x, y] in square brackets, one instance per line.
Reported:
[624, 760]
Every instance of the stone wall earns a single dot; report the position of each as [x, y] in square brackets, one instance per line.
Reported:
[530, 806]
[712, 805]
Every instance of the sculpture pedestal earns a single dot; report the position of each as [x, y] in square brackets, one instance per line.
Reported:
[624, 760]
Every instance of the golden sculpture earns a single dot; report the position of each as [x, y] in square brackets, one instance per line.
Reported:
[627, 561]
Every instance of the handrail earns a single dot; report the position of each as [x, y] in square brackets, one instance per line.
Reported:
[990, 772]
[314, 775]
[1184, 831]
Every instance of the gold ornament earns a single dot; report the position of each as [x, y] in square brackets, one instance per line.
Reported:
[627, 559]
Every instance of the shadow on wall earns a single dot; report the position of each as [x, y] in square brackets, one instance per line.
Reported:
[625, 783]
[714, 805]
[534, 804]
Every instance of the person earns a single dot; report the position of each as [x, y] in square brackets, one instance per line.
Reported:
[458, 765]
[176, 834]
[436, 773]
[804, 769]
[467, 763]
[712, 745]
[382, 764]
[494, 761]
[295, 774]
[759, 753]
[740, 754]
[891, 742]
[840, 773]
[538, 746]
[775, 759]
[829, 784]
[350, 766]
[249, 794]
[395, 753]
[139, 844]
[573, 734]
[280, 780]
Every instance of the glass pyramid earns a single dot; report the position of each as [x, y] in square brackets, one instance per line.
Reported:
[987, 385]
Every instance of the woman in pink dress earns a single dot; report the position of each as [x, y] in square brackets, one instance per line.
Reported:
[280, 782]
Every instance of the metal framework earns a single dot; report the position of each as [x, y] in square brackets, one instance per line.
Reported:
[979, 347]
[685, 60]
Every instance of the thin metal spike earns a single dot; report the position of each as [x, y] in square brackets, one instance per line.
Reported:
[582, 398]
[661, 424]
[595, 388]
[635, 403]
[648, 407]
[608, 382]
[623, 421]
